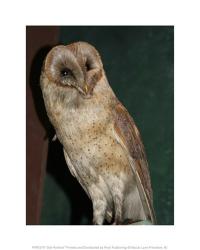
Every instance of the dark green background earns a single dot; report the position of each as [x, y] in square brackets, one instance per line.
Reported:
[139, 63]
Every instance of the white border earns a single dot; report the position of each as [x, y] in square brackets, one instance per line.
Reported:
[15, 16]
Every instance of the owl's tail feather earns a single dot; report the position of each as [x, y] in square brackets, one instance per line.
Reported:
[131, 222]
[146, 202]
[135, 208]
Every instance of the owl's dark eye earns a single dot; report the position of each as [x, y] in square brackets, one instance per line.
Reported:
[88, 66]
[65, 72]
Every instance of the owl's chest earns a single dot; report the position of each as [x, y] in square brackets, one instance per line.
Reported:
[82, 128]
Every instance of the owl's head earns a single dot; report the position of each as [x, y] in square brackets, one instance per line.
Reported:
[77, 65]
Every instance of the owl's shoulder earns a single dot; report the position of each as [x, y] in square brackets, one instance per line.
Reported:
[126, 128]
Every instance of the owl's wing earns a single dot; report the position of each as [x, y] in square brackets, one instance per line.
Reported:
[128, 137]
[69, 164]
[73, 171]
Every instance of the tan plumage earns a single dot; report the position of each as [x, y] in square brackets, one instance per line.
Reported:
[102, 145]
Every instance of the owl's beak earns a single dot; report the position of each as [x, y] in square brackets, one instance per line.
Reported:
[86, 88]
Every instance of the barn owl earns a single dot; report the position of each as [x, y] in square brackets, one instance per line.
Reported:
[101, 143]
